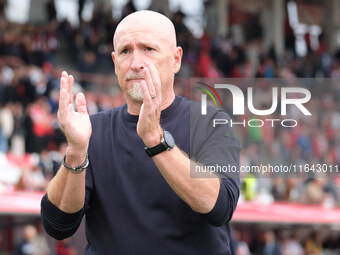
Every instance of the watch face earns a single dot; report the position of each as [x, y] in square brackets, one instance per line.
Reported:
[169, 139]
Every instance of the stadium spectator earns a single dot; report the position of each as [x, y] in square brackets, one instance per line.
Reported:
[313, 244]
[6, 126]
[2, 249]
[64, 247]
[128, 8]
[26, 245]
[241, 246]
[32, 178]
[292, 246]
[40, 241]
[271, 245]
[51, 10]
[3, 4]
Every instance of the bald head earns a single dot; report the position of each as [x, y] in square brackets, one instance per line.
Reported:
[150, 21]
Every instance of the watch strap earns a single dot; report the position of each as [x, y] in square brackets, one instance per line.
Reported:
[155, 150]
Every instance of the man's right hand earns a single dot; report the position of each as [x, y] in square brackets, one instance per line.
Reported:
[67, 190]
[76, 125]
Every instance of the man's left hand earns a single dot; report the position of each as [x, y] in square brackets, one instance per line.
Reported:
[148, 126]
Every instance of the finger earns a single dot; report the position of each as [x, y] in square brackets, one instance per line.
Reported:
[63, 98]
[70, 84]
[65, 75]
[155, 78]
[146, 95]
[149, 81]
[81, 103]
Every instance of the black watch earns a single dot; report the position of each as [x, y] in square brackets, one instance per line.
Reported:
[167, 143]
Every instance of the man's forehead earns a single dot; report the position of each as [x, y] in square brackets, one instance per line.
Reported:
[140, 32]
[148, 22]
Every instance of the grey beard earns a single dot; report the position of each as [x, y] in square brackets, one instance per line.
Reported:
[136, 93]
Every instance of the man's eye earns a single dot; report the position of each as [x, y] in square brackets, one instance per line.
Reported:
[125, 51]
[149, 49]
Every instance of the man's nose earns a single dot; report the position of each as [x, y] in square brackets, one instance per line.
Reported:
[138, 62]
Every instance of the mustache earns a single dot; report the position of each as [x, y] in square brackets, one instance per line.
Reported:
[134, 76]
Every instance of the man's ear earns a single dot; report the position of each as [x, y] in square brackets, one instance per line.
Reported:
[178, 59]
[113, 56]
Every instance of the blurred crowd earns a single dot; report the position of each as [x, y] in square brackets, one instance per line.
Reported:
[282, 241]
[32, 58]
[30, 67]
[33, 241]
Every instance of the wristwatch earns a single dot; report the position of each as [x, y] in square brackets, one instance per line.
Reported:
[167, 143]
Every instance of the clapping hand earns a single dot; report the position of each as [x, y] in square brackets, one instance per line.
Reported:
[76, 125]
[148, 126]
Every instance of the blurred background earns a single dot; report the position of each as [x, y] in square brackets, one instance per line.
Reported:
[220, 38]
